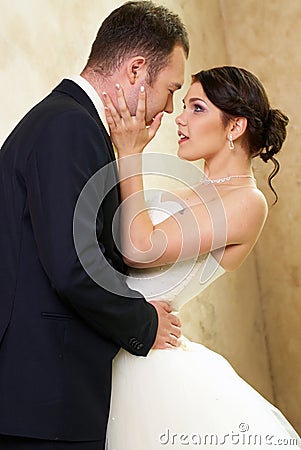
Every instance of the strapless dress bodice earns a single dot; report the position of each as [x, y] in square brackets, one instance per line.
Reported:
[179, 282]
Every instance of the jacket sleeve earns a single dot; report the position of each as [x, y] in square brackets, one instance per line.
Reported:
[69, 150]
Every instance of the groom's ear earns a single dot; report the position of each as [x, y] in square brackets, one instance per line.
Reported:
[136, 68]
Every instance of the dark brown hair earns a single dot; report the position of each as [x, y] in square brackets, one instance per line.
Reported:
[237, 92]
[137, 27]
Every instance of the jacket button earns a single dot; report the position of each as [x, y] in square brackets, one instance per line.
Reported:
[133, 341]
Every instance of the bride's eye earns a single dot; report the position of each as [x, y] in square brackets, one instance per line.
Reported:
[198, 108]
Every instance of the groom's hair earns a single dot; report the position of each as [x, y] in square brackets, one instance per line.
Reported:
[137, 28]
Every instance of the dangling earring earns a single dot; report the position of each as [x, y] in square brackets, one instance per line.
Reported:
[231, 144]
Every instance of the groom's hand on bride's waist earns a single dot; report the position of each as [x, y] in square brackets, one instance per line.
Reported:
[169, 327]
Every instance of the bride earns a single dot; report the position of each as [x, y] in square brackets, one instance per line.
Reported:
[177, 244]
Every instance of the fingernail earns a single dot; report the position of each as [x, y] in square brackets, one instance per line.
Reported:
[142, 89]
[117, 86]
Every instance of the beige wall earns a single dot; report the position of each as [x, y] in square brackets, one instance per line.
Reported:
[264, 37]
[251, 316]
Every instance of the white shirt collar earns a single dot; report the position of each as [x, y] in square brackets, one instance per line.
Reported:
[92, 94]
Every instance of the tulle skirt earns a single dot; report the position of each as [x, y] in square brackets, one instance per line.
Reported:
[191, 398]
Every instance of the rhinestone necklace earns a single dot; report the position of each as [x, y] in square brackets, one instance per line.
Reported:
[224, 179]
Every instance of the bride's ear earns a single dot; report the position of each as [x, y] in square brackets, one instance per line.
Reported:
[136, 68]
[238, 126]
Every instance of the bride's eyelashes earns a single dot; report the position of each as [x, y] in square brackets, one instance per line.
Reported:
[194, 107]
[197, 108]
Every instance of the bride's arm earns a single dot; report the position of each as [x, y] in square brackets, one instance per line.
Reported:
[192, 231]
[143, 244]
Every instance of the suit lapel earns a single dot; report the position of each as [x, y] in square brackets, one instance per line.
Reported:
[73, 90]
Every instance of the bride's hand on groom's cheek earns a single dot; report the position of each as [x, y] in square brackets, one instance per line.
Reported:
[129, 133]
[169, 327]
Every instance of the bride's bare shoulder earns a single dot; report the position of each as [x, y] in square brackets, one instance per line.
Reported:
[246, 211]
[255, 201]
[250, 201]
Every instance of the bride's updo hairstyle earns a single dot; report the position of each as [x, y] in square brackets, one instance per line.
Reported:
[238, 93]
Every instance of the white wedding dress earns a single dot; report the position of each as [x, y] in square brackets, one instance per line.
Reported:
[188, 397]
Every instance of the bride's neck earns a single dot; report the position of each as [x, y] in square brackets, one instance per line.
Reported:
[232, 165]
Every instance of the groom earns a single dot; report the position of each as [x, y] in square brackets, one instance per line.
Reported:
[59, 328]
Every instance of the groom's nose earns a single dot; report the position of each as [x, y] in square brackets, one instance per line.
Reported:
[169, 105]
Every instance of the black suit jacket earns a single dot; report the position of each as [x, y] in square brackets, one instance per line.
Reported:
[59, 329]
